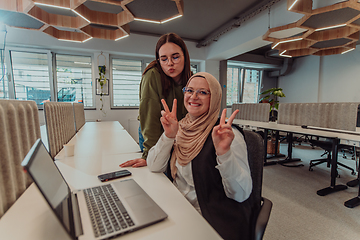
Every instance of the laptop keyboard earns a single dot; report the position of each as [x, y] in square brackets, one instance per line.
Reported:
[107, 213]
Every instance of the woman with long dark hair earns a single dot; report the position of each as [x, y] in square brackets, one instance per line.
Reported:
[163, 78]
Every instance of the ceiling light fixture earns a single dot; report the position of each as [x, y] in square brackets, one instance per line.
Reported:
[346, 51]
[285, 41]
[87, 39]
[53, 6]
[147, 20]
[68, 40]
[330, 27]
[293, 4]
[74, 21]
[282, 54]
[121, 37]
[317, 36]
[81, 15]
[170, 19]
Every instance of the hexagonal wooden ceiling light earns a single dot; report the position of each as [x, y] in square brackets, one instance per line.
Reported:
[82, 20]
[324, 31]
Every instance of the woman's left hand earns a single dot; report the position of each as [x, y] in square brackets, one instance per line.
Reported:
[223, 134]
[138, 162]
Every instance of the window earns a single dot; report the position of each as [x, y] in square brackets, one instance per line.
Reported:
[74, 79]
[251, 86]
[4, 91]
[233, 85]
[126, 77]
[194, 68]
[31, 76]
[242, 85]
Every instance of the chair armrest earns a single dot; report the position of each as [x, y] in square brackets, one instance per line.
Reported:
[263, 218]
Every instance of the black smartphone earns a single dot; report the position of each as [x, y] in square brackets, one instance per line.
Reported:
[114, 175]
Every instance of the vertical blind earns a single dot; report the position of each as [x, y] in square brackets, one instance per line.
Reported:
[126, 76]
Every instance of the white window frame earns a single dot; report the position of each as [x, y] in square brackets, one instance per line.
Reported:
[92, 73]
[51, 68]
[143, 66]
[11, 82]
[241, 79]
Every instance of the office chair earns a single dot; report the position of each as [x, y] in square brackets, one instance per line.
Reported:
[60, 125]
[262, 206]
[79, 115]
[327, 146]
[19, 129]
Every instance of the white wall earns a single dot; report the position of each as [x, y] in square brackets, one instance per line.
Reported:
[334, 78]
[340, 77]
[268, 82]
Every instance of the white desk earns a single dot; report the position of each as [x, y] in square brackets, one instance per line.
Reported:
[336, 137]
[345, 138]
[97, 139]
[31, 218]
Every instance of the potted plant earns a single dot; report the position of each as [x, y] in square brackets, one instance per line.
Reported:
[102, 81]
[271, 95]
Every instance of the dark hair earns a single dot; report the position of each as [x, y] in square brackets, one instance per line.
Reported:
[166, 80]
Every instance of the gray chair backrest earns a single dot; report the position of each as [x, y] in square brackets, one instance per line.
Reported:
[60, 125]
[341, 116]
[255, 148]
[79, 115]
[252, 111]
[19, 129]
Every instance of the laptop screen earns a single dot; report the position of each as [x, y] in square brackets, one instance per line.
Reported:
[39, 164]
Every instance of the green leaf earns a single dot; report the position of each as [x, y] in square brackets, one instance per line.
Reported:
[274, 92]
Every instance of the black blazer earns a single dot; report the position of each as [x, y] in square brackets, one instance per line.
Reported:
[228, 217]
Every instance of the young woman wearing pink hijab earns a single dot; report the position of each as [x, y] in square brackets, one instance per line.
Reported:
[206, 158]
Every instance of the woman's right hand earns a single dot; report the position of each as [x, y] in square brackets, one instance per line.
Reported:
[169, 120]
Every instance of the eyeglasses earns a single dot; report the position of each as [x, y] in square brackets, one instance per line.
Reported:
[175, 58]
[200, 93]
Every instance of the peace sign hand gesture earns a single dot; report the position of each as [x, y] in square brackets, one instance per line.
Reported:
[169, 120]
[223, 134]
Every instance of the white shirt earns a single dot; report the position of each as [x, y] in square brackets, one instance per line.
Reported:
[233, 167]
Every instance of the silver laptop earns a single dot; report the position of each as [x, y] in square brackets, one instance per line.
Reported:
[94, 213]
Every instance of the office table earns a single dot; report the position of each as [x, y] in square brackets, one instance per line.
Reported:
[31, 218]
[336, 138]
[106, 138]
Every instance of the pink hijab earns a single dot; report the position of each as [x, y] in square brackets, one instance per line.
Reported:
[192, 135]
